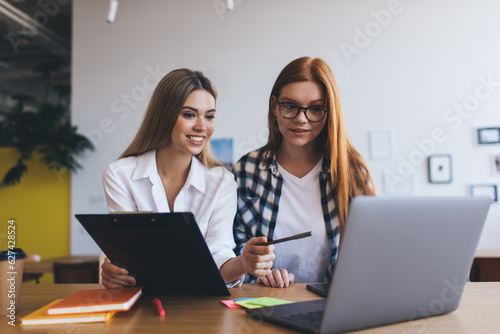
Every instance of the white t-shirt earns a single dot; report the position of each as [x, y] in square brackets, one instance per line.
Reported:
[300, 211]
[133, 184]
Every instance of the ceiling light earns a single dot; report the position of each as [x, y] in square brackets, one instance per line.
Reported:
[113, 6]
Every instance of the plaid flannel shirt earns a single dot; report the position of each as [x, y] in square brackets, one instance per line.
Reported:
[259, 192]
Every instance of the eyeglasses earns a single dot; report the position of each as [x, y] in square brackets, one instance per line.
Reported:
[291, 110]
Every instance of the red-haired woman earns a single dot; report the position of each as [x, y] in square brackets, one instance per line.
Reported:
[303, 178]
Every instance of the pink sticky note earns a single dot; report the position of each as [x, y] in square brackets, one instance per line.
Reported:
[230, 304]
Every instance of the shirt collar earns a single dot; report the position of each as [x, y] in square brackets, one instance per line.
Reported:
[146, 168]
[146, 165]
[269, 162]
[325, 168]
[196, 176]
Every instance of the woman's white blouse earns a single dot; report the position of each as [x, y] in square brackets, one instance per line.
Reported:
[133, 184]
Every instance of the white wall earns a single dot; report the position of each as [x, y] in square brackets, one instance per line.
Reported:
[420, 61]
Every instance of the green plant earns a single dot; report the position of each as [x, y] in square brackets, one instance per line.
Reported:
[46, 131]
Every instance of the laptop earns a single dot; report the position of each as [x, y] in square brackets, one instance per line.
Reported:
[165, 252]
[400, 259]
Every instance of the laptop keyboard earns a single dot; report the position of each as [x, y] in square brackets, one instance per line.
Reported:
[310, 319]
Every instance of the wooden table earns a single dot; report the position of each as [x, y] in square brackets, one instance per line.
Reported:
[46, 266]
[487, 253]
[479, 312]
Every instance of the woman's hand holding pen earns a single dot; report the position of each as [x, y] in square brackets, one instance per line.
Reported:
[114, 277]
[281, 278]
[258, 260]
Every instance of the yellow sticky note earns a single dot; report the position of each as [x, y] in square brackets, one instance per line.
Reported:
[261, 302]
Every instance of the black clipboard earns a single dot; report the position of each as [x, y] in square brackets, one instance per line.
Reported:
[165, 252]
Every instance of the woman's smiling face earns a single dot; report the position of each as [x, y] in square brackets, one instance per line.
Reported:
[195, 123]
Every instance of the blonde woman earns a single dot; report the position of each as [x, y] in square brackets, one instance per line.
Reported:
[169, 167]
[303, 178]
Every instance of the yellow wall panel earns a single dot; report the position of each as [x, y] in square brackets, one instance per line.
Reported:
[40, 207]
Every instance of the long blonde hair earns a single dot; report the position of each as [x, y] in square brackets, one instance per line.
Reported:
[349, 172]
[164, 108]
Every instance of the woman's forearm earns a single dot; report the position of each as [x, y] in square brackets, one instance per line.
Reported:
[232, 269]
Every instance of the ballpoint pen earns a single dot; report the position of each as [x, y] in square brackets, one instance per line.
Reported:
[157, 305]
[293, 237]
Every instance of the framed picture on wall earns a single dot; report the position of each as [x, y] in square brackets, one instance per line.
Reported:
[490, 190]
[223, 151]
[495, 164]
[439, 167]
[397, 184]
[486, 136]
[381, 145]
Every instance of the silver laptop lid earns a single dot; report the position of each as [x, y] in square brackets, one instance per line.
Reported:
[402, 259]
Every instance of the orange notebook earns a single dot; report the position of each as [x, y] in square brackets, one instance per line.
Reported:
[97, 300]
[40, 317]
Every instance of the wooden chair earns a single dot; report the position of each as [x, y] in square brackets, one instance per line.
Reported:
[32, 276]
[76, 272]
[485, 270]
